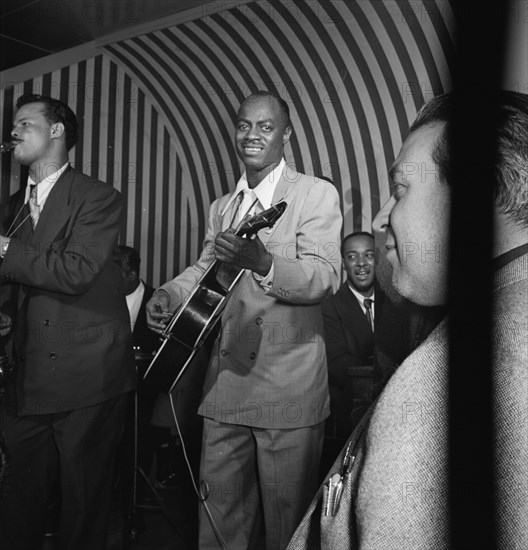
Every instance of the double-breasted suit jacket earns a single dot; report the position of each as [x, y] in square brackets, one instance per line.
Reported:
[72, 340]
[268, 364]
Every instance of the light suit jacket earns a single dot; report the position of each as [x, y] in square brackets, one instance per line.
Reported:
[72, 329]
[396, 495]
[268, 365]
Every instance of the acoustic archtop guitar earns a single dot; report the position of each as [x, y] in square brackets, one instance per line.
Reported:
[194, 320]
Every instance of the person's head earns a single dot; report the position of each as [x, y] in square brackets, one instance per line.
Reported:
[263, 127]
[45, 128]
[127, 258]
[416, 217]
[358, 253]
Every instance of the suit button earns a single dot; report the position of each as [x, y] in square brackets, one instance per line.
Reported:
[47, 323]
[223, 352]
[259, 321]
[252, 355]
[22, 358]
[53, 355]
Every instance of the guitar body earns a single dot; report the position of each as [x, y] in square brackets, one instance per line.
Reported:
[191, 325]
[194, 321]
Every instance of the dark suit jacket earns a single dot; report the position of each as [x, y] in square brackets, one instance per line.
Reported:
[349, 343]
[72, 332]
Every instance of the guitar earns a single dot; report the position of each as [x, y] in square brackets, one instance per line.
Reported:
[194, 320]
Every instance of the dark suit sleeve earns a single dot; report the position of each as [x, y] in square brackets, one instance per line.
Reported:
[338, 352]
[73, 260]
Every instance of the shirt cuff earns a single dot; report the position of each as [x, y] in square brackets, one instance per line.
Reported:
[4, 245]
[266, 282]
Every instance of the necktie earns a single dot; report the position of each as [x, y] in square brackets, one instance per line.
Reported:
[245, 204]
[368, 306]
[34, 208]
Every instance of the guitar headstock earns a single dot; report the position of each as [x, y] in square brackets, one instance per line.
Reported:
[266, 218]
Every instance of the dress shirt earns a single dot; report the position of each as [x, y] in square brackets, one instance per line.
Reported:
[360, 299]
[264, 192]
[44, 187]
[134, 303]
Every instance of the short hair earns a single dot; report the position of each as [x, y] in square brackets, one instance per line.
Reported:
[55, 111]
[128, 258]
[511, 162]
[350, 236]
[265, 94]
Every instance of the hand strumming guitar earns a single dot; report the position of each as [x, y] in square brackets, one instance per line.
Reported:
[243, 253]
[158, 311]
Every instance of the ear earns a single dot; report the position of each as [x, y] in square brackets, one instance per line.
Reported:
[57, 129]
[286, 135]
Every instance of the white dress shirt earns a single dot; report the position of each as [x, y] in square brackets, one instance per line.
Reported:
[134, 303]
[360, 299]
[264, 192]
[44, 187]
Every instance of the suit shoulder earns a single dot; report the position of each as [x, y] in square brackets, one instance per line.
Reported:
[308, 181]
[331, 302]
[84, 184]
[219, 204]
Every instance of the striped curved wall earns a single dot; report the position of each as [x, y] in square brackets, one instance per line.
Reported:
[157, 110]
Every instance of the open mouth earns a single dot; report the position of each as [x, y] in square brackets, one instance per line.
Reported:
[362, 274]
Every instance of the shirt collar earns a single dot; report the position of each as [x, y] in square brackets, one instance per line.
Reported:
[360, 297]
[264, 190]
[45, 186]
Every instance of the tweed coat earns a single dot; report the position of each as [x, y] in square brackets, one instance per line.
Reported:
[396, 494]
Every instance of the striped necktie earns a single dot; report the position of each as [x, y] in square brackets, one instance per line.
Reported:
[367, 302]
[34, 207]
[245, 204]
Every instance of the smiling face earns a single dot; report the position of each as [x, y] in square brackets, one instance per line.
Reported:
[261, 133]
[416, 221]
[359, 262]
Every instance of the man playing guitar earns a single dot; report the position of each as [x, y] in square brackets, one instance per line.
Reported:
[265, 394]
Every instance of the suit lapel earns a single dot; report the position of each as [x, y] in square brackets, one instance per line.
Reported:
[350, 311]
[281, 193]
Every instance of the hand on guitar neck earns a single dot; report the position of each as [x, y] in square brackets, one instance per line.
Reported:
[243, 253]
[231, 248]
[185, 330]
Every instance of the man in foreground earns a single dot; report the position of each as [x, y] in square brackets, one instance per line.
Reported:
[396, 491]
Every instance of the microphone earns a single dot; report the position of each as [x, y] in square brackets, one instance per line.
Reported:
[7, 146]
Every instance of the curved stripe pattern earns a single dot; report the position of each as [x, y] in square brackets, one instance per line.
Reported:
[157, 111]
